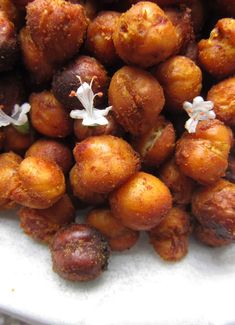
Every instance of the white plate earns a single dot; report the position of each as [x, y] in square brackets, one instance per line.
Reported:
[137, 289]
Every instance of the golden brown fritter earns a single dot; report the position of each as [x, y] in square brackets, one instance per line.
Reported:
[105, 162]
[217, 54]
[181, 186]
[157, 144]
[137, 99]
[40, 183]
[34, 58]
[181, 80]
[214, 207]
[52, 150]
[48, 116]
[144, 35]
[223, 97]
[142, 202]
[119, 237]
[203, 155]
[44, 223]
[57, 27]
[99, 40]
[170, 237]
[9, 164]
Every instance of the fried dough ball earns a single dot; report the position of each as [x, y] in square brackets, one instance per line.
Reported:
[170, 237]
[34, 59]
[82, 132]
[214, 207]
[217, 54]
[48, 116]
[181, 80]
[8, 43]
[9, 164]
[41, 183]
[142, 202]
[99, 40]
[137, 99]
[43, 224]
[79, 253]
[157, 144]
[17, 141]
[182, 20]
[66, 80]
[57, 27]
[85, 194]
[119, 237]
[54, 151]
[11, 91]
[209, 236]
[203, 155]
[144, 35]
[181, 186]
[223, 97]
[105, 162]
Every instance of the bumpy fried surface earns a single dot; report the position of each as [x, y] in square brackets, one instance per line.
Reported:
[119, 237]
[214, 207]
[84, 193]
[203, 155]
[209, 236]
[57, 27]
[48, 116]
[182, 20]
[157, 144]
[137, 99]
[34, 58]
[181, 80]
[79, 253]
[105, 162]
[181, 186]
[52, 150]
[170, 237]
[41, 183]
[223, 97]
[99, 40]
[8, 43]
[43, 224]
[144, 35]
[17, 141]
[9, 164]
[142, 202]
[217, 54]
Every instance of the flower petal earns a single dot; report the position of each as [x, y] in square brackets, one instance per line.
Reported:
[4, 119]
[78, 114]
[191, 125]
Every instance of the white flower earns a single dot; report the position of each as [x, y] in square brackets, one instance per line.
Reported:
[91, 116]
[18, 117]
[199, 110]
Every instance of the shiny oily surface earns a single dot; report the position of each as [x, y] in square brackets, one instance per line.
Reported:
[134, 276]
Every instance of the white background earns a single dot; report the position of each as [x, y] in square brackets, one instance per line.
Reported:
[137, 289]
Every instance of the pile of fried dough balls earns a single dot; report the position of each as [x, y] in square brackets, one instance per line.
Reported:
[143, 171]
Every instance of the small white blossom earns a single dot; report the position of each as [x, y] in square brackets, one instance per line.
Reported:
[18, 117]
[91, 116]
[199, 110]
